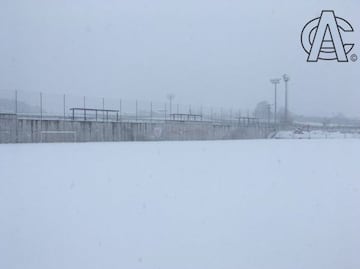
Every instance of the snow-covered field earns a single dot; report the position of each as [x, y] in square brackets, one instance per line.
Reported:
[223, 204]
[315, 134]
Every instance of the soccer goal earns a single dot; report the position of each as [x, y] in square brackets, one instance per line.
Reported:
[57, 136]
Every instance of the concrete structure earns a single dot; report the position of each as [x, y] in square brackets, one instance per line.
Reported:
[23, 130]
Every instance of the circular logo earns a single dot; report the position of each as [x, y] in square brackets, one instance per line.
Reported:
[354, 57]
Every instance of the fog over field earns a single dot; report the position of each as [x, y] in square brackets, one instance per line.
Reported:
[205, 52]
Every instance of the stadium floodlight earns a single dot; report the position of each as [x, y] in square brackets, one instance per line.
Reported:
[286, 79]
[275, 81]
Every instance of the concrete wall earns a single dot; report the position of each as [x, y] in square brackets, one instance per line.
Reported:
[8, 128]
[13, 130]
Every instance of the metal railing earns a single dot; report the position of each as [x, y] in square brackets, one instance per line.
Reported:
[47, 106]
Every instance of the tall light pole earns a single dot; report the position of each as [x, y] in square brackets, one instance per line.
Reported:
[286, 79]
[170, 97]
[275, 81]
[268, 114]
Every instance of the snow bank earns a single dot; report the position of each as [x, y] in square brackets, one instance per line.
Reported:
[222, 204]
[316, 134]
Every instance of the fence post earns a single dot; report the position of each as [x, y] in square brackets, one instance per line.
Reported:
[41, 105]
[16, 117]
[136, 112]
[151, 112]
[120, 108]
[64, 106]
[103, 105]
[16, 102]
[165, 110]
[41, 112]
[84, 108]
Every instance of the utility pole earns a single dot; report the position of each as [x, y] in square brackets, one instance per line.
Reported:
[275, 82]
[286, 79]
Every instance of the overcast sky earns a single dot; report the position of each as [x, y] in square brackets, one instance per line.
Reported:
[219, 53]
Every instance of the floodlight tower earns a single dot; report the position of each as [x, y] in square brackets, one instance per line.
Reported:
[275, 81]
[286, 79]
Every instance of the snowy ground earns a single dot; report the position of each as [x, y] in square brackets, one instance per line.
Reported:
[315, 134]
[224, 204]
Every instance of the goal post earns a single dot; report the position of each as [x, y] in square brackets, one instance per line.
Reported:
[57, 136]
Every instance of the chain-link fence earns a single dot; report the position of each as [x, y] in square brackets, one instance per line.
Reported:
[71, 107]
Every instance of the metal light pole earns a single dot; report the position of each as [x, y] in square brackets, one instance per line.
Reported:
[286, 79]
[268, 114]
[275, 81]
[170, 97]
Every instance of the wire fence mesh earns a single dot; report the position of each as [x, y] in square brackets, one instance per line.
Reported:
[28, 104]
